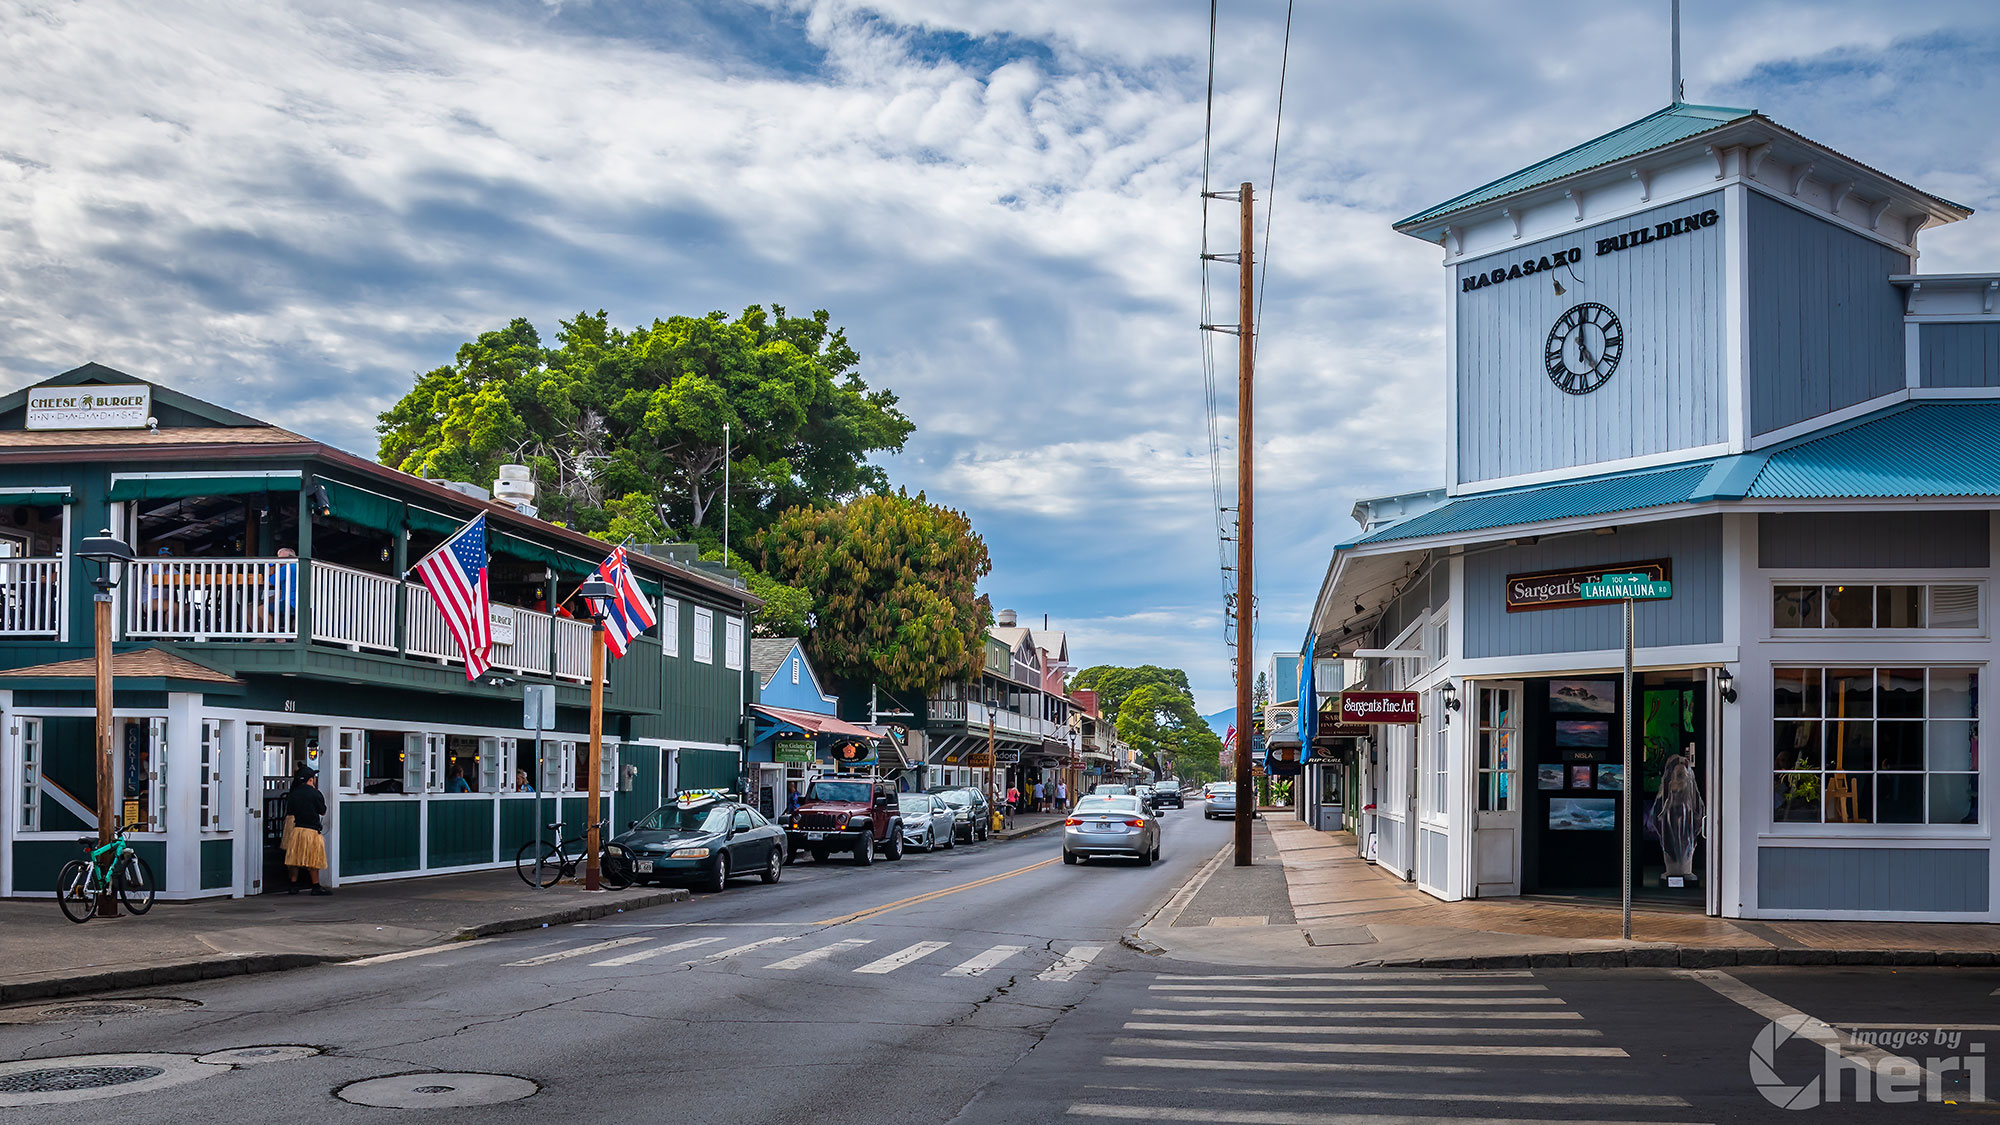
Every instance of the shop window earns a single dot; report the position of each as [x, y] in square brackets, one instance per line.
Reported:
[348, 752]
[30, 796]
[1875, 745]
[1897, 606]
[209, 804]
[462, 773]
[670, 627]
[732, 643]
[1497, 749]
[704, 635]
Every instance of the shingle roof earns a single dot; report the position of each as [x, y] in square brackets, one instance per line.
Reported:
[181, 435]
[767, 655]
[139, 663]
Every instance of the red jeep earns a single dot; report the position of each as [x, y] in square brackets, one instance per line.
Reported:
[846, 814]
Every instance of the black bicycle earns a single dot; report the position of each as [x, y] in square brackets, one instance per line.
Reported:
[541, 863]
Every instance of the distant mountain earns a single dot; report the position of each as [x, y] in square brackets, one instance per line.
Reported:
[1221, 721]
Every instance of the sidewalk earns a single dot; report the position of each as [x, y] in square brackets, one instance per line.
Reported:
[1028, 824]
[1335, 910]
[45, 954]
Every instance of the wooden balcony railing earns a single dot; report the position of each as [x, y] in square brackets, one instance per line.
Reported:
[31, 597]
[212, 599]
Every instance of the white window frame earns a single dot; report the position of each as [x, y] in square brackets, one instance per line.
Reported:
[413, 763]
[349, 747]
[492, 763]
[670, 626]
[28, 808]
[208, 777]
[1434, 773]
[732, 643]
[436, 751]
[1926, 579]
[1875, 828]
[704, 635]
[156, 788]
[568, 752]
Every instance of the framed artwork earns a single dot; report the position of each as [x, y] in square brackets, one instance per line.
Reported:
[1579, 777]
[1593, 734]
[1611, 775]
[1583, 697]
[1548, 777]
[1583, 814]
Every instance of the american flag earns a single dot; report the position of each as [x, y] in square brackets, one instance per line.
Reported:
[627, 613]
[455, 574]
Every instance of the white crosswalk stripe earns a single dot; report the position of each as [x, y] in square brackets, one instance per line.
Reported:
[1345, 989]
[579, 951]
[1075, 961]
[657, 951]
[903, 957]
[1337, 1001]
[1362, 1029]
[1567, 1050]
[1422, 1014]
[815, 956]
[747, 947]
[988, 960]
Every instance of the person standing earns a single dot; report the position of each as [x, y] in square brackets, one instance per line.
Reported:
[305, 843]
[1041, 798]
[1062, 796]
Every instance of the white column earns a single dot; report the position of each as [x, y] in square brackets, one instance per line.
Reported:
[1741, 806]
[329, 761]
[183, 800]
[10, 784]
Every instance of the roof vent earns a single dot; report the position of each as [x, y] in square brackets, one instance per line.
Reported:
[467, 488]
[515, 487]
[1005, 619]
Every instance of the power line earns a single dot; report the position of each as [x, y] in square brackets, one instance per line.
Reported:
[1270, 202]
[1211, 402]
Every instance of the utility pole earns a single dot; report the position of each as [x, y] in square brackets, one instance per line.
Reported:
[1246, 586]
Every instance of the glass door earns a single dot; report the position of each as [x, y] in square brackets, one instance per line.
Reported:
[1496, 817]
[1670, 836]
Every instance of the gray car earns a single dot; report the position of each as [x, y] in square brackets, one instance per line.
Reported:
[928, 822]
[1221, 803]
[1111, 826]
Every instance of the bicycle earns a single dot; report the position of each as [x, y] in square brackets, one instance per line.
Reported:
[562, 860]
[114, 868]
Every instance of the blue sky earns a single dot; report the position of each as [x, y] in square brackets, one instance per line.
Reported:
[293, 208]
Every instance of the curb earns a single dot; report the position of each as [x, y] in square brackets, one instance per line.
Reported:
[1034, 830]
[1684, 957]
[1137, 944]
[572, 914]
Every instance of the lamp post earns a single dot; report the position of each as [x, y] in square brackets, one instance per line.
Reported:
[109, 556]
[595, 594]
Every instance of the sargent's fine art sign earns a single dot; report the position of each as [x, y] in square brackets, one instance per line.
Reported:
[1555, 589]
[1364, 708]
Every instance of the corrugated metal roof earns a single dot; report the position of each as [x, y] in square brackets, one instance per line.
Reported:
[1928, 449]
[1597, 496]
[1677, 122]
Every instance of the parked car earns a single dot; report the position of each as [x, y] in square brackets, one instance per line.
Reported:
[846, 814]
[1221, 803]
[1111, 826]
[928, 822]
[1168, 794]
[972, 813]
[704, 838]
[1111, 791]
[1145, 795]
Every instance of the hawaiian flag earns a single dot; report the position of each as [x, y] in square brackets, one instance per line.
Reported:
[627, 613]
[455, 574]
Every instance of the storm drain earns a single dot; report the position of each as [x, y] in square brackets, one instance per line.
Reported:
[57, 1079]
[250, 1056]
[436, 1091]
[80, 1078]
[121, 1008]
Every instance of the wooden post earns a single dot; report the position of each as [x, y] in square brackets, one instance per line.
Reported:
[107, 758]
[591, 874]
[1246, 585]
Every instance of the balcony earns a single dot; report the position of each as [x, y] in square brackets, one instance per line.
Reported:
[31, 602]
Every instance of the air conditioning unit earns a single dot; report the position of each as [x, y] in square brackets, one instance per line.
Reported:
[515, 487]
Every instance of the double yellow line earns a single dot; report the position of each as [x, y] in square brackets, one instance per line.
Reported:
[928, 896]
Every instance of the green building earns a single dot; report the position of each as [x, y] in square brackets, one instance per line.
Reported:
[266, 626]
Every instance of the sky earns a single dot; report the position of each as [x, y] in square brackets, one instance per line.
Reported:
[294, 208]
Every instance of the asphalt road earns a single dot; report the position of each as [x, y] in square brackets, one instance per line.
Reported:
[978, 986]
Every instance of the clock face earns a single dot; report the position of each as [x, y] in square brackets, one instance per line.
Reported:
[1584, 348]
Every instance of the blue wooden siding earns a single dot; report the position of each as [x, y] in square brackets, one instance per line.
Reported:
[1692, 616]
[806, 695]
[1915, 880]
[1959, 355]
[379, 836]
[1825, 325]
[1864, 540]
[1667, 393]
[461, 833]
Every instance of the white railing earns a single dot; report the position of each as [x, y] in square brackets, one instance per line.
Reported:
[424, 630]
[978, 713]
[572, 649]
[30, 597]
[946, 710]
[353, 607]
[212, 599]
[529, 649]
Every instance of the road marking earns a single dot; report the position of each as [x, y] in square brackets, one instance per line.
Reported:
[1278, 1013]
[903, 957]
[384, 958]
[1359, 1029]
[984, 961]
[1660, 1101]
[1440, 974]
[649, 954]
[1508, 1001]
[914, 900]
[1297, 1117]
[733, 951]
[1834, 1041]
[1569, 1050]
[1343, 989]
[814, 956]
[1288, 1066]
[579, 951]
[1071, 963]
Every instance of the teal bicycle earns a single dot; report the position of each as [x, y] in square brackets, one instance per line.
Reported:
[112, 869]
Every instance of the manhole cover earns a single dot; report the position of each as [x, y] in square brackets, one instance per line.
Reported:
[250, 1056]
[79, 1078]
[119, 1008]
[436, 1091]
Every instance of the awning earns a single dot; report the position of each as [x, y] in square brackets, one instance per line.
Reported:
[175, 486]
[812, 722]
[360, 507]
[46, 497]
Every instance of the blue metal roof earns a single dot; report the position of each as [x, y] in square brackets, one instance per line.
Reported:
[1924, 449]
[1591, 497]
[1677, 122]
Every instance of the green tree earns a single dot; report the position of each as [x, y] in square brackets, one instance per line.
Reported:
[787, 610]
[894, 586]
[1163, 725]
[1113, 683]
[606, 414]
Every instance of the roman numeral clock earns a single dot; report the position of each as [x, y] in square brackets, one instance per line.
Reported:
[1584, 348]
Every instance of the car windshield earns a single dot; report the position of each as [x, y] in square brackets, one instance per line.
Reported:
[914, 804]
[957, 797]
[853, 792]
[668, 818]
[1109, 791]
[1108, 804]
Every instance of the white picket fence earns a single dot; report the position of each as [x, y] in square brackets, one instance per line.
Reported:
[31, 597]
[212, 599]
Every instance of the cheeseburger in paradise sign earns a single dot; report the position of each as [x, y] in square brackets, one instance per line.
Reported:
[1555, 589]
[1365, 707]
[121, 407]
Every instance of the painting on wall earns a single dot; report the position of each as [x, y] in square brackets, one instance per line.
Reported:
[1583, 814]
[1579, 777]
[1611, 775]
[1583, 697]
[1548, 777]
[1593, 734]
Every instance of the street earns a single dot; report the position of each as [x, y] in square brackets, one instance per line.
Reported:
[979, 985]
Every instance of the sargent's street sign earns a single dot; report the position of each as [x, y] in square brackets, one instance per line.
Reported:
[1616, 587]
[1368, 707]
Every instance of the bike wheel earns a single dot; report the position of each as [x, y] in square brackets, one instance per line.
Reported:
[74, 892]
[135, 884]
[616, 868]
[551, 866]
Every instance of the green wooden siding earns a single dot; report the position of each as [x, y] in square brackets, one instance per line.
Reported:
[520, 824]
[36, 863]
[378, 836]
[218, 864]
[699, 702]
[461, 832]
[708, 769]
[69, 760]
[645, 795]
[573, 820]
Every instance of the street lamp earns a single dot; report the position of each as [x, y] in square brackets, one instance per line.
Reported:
[596, 595]
[108, 556]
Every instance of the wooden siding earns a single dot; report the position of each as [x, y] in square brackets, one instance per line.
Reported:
[705, 769]
[1907, 880]
[1825, 325]
[1959, 355]
[378, 836]
[645, 795]
[1667, 393]
[218, 864]
[1865, 540]
[520, 824]
[1692, 616]
[698, 702]
[461, 832]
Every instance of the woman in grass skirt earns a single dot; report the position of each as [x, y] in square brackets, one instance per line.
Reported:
[305, 844]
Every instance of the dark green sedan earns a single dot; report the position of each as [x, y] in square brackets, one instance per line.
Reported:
[704, 839]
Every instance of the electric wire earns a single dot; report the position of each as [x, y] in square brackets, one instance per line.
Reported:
[1211, 401]
[1270, 204]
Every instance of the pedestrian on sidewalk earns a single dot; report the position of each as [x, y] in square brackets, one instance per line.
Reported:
[305, 846]
[1041, 798]
[1062, 796]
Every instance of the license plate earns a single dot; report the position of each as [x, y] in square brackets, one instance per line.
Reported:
[642, 866]
[815, 835]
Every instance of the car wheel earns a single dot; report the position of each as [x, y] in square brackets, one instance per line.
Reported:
[894, 850]
[720, 880]
[1069, 857]
[1156, 853]
[1146, 859]
[951, 839]
[774, 869]
[864, 852]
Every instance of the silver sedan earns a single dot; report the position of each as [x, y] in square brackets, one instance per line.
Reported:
[1111, 826]
[928, 822]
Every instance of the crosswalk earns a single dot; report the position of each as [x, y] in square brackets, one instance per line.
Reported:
[1363, 1048]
